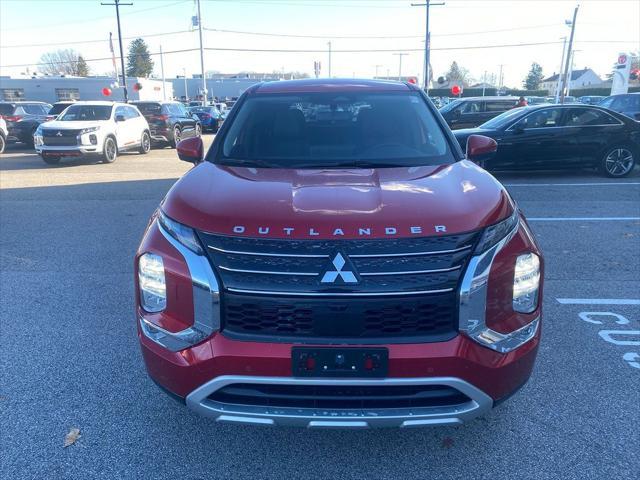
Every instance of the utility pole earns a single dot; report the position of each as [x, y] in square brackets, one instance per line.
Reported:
[117, 4]
[500, 78]
[204, 80]
[400, 55]
[164, 91]
[484, 82]
[427, 46]
[329, 45]
[569, 50]
[186, 93]
[564, 48]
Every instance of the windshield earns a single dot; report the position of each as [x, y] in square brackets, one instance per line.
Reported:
[503, 119]
[450, 106]
[6, 109]
[58, 108]
[149, 108]
[319, 130]
[83, 113]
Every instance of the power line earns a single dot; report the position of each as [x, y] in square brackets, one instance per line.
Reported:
[101, 40]
[372, 50]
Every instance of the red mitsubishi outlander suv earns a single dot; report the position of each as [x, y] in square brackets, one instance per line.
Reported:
[335, 261]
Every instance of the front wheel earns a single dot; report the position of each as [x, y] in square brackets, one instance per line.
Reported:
[618, 162]
[177, 136]
[3, 143]
[110, 150]
[145, 143]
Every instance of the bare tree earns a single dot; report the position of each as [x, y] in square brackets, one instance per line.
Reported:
[67, 62]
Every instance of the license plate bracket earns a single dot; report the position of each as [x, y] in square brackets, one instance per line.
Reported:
[339, 362]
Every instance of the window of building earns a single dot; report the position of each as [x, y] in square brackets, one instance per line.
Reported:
[12, 94]
[67, 94]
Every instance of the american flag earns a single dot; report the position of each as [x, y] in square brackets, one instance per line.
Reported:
[113, 55]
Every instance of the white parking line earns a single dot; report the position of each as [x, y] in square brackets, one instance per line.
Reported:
[582, 219]
[595, 184]
[598, 301]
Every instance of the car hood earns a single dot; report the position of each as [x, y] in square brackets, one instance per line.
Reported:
[61, 125]
[330, 203]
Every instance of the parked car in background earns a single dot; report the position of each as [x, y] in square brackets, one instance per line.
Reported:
[100, 129]
[3, 135]
[536, 100]
[474, 111]
[22, 119]
[570, 99]
[169, 122]
[559, 137]
[590, 99]
[627, 103]
[209, 117]
[222, 107]
[58, 108]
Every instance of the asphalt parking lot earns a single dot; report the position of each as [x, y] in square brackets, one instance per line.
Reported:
[69, 356]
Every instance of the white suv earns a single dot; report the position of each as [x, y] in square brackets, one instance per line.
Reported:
[3, 134]
[93, 128]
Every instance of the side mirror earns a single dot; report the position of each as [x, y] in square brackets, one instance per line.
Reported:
[119, 118]
[480, 148]
[191, 150]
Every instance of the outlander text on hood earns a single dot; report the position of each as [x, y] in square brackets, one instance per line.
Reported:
[335, 261]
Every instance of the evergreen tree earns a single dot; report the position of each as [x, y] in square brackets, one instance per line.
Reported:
[534, 77]
[458, 75]
[139, 63]
[82, 69]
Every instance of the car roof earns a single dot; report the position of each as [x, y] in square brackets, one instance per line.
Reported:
[24, 102]
[504, 97]
[98, 102]
[317, 85]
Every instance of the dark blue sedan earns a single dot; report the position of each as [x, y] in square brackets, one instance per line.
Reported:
[561, 136]
[209, 117]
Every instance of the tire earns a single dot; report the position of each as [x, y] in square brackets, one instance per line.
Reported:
[618, 161]
[3, 143]
[29, 142]
[51, 160]
[109, 150]
[177, 136]
[145, 143]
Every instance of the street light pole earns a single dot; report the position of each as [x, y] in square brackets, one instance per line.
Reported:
[186, 93]
[329, 45]
[377, 67]
[117, 4]
[164, 92]
[568, 59]
[427, 46]
[400, 55]
[204, 80]
[564, 48]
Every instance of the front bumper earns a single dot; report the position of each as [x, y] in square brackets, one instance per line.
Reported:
[68, 151]
[477, 404]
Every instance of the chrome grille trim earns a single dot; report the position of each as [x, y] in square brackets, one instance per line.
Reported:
[265, 272]
[329, 294]
[411, 254]
[411, 272]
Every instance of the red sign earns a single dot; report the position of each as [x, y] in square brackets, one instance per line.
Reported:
[622, 59]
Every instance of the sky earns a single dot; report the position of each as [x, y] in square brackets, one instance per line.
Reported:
[466, 31]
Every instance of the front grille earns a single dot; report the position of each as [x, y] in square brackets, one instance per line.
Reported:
[339, 397]
[406, 288]
[340, 320]
[55, 137]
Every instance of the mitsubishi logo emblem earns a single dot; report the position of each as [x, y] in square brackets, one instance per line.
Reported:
[59, 134]
[337, 270]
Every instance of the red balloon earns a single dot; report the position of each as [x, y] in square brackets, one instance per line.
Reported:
[106, 91]
[456, 90]
[137, 86]
[413, 80]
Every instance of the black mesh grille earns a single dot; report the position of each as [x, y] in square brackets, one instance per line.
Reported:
[340, 397]
[332, 320]
[60, 137]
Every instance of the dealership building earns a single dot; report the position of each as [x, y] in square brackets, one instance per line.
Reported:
[52, 89]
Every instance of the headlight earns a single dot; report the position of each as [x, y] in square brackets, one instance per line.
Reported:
[183, 234]
[497, 232]
[525, 283]
[153, 289]
[89, 130]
